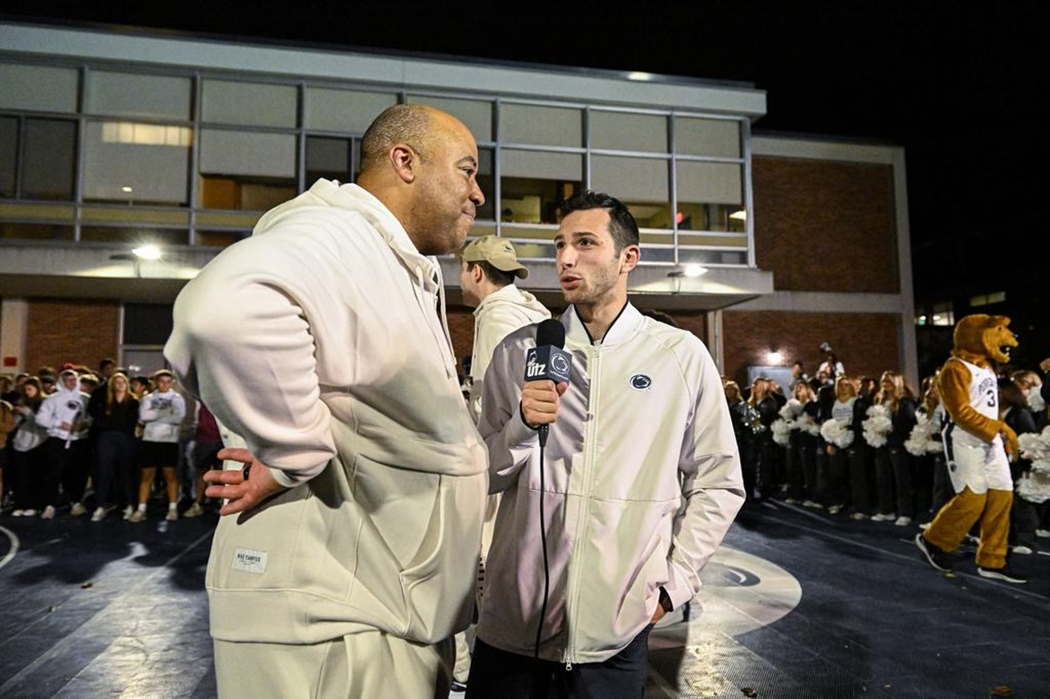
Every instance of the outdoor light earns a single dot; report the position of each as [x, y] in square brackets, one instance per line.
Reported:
[126, 189]
[147, 252]
[740, 215]
[774, 357]
[690, 271]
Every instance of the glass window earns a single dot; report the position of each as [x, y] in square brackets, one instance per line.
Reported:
[246, 170]
[147, 323]
[476, 114]
[142, 96]
[632, 132]
[251, 104]
[344, 110]
[136, 163]
[487, 181]
[50, 159]
[134, 235]
[640, 183]
[220, 239]
[35, 231]
[533, 183]
[330, 158]
[38, 88]
[546, 126]
[712, 137]
[710, 197]
[8, 156]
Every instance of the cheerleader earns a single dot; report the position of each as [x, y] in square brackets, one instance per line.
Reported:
[894, 478]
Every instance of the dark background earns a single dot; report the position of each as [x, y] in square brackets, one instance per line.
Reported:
[958, 87]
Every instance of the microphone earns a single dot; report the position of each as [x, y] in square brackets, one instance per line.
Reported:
[547, 360]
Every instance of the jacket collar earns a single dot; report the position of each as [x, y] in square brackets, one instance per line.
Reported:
[622, 329]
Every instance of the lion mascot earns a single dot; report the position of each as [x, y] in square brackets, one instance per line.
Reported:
[978, 446]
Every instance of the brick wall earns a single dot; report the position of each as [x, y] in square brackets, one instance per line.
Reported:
[867, 344]
[60, 331]
[826, 226]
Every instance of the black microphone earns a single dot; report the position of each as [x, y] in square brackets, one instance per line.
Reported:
[547, 360]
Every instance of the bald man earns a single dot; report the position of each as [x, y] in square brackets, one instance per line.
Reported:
[345, 558]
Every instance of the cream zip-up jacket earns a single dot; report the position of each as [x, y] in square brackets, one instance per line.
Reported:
[641, 480]
[321, 342]
[499, 313]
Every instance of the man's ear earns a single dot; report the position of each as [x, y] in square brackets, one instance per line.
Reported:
[404, 161]
[631, 255]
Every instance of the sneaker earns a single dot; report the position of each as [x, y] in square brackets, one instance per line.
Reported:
[137, 516]
[1043, 533]
[194, 510]
[925, 525]
[48, 513]
[172, 515]
[1022, 549]
[99, 514]
[1004, 574]
[77, 509]
[128, 511]
[858, 516]
[903, 521]
[18, 513]
[812, 503]
[892, 516]
[29, 513]
[834, 509]
[790, 501]
[937, 557]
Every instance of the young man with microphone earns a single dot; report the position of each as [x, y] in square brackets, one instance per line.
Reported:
[606, 527]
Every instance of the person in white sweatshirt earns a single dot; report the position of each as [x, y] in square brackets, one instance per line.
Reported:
[488, 268]
[161, 411]
[64, 415]
[345, 557]
[638, 483]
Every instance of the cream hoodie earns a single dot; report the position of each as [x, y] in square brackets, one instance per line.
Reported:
[321, 342]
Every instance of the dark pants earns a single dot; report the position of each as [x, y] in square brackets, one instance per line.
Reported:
[65, 466]
[497, 674]
[859, 459]
[943, 491]
[838, 477]
[884, 491]
[903, 465]
[116, 466]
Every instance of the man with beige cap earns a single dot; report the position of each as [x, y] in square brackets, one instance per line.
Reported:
[489, 267]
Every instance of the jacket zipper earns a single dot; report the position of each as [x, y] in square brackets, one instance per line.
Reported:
[594, 365]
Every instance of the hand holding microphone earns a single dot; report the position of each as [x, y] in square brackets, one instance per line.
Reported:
[547, 372]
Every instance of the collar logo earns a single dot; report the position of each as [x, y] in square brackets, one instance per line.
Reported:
[641, 382]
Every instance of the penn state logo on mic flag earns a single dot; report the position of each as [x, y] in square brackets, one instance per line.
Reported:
[641, 382]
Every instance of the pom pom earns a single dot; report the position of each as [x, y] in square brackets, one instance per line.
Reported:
[836, 433]
[782, 432]
[878, 426]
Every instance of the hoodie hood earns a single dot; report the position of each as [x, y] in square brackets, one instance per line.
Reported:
[350, 197]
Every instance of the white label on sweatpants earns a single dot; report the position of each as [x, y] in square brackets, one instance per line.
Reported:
[249, 561]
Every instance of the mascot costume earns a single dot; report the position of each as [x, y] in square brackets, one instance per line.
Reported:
[976, 445]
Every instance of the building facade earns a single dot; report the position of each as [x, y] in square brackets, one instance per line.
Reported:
[112, 142]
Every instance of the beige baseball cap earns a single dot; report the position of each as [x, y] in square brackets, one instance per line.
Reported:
[498, 252]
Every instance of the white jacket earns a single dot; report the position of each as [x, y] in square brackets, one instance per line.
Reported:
[320, 341]
[64, 406]
[161, 414]
[641, 481]
[499, 313]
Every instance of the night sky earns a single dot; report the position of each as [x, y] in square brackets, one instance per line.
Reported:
[958, 88]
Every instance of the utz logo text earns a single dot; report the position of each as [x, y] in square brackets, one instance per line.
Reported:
[533, 369]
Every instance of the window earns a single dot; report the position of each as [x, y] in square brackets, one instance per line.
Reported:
[330, 158]
[628, 132]
[546, 126]
[640, 183]
[49, 165]
[535, 182]
[936, 314]
[710, 197]
[246, 170]
[138, 96]
[249, 104]
[136, 163]
[343, 110]
[22, 88]
[8, 156]
[988, 299]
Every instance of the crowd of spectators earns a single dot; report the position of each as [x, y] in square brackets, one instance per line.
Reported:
[870, 449]
[77, 441]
